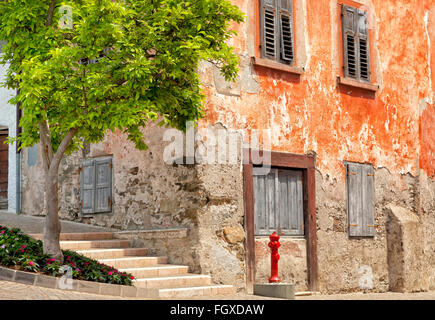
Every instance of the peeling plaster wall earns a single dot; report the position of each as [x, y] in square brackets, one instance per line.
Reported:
[393, 129]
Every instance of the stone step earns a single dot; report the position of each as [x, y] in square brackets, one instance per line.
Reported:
[134, 262]
[113, 253]
[191, 280]
[157, 271]
[197, 291]
[79, 236]
[89, 244]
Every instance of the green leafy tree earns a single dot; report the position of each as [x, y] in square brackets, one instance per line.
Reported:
[83, 67]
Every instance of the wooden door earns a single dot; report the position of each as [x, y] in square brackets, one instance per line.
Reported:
[3, 166]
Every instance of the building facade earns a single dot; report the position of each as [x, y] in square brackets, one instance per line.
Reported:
[341, 96]
[9, 158]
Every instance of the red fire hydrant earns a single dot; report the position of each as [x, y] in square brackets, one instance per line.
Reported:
[274, 245]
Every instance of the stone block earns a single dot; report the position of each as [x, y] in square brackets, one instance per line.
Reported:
[46, 281]
[275, 290]
[405, 242]
[25, 277]
[7, 274]
[234, 234]
[88, 286]
[110, 289]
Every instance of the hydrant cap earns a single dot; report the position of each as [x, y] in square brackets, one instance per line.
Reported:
[274, 237]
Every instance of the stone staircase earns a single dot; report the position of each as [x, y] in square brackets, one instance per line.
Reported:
[151, 272]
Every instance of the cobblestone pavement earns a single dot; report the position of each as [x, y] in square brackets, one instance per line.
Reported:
[17, 291]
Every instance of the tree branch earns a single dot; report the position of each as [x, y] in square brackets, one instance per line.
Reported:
[47, 152]
[62, 148]
[50, 13]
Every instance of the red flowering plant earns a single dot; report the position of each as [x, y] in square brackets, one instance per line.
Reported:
[19, 251]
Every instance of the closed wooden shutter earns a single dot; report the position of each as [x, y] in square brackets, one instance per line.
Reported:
[278, 202]
[290, 202]
[96, 186]
[349, 18]
[286, 30]
[360, 200]
[363, 46]
[103, 186]
[269, 29]
[368, 206]
[87, 186]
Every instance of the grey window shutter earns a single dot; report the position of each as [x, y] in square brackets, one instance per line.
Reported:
[103, 185]
[278, 202]
[286, 30]
[354, 200]
[290, 202]
[368, 227]
[87, 186]
[269, 29]
[264, 202]
[363, 46]
[360, 200]
[350, 53]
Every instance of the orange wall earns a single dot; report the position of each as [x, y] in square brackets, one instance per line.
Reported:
[345, 123]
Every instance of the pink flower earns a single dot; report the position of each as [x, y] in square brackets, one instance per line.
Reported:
[31, 263]
[2, 232]
[131, 277]
[23, 246]
[109, 273]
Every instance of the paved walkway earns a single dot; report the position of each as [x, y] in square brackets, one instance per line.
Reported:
[17, 291]
[32, 224]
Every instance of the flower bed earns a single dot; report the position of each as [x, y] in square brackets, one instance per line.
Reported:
[19, 251]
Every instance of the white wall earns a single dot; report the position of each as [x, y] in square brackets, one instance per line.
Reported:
[8, 119]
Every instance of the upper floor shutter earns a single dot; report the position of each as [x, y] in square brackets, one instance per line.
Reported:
[269, 29]
[363, 46]
[356, 47]
[350, 54]
[286, 30]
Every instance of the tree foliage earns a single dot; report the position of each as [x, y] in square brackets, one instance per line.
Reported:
[147, 55]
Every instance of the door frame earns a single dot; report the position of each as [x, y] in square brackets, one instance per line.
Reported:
[290, 161]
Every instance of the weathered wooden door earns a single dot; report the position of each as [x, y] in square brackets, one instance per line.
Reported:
[3, 167]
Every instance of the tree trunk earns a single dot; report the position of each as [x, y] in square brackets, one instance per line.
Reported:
[52, 226]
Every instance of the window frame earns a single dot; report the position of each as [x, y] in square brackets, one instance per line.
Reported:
[256, 57]
[372, 85]
[278, 32]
